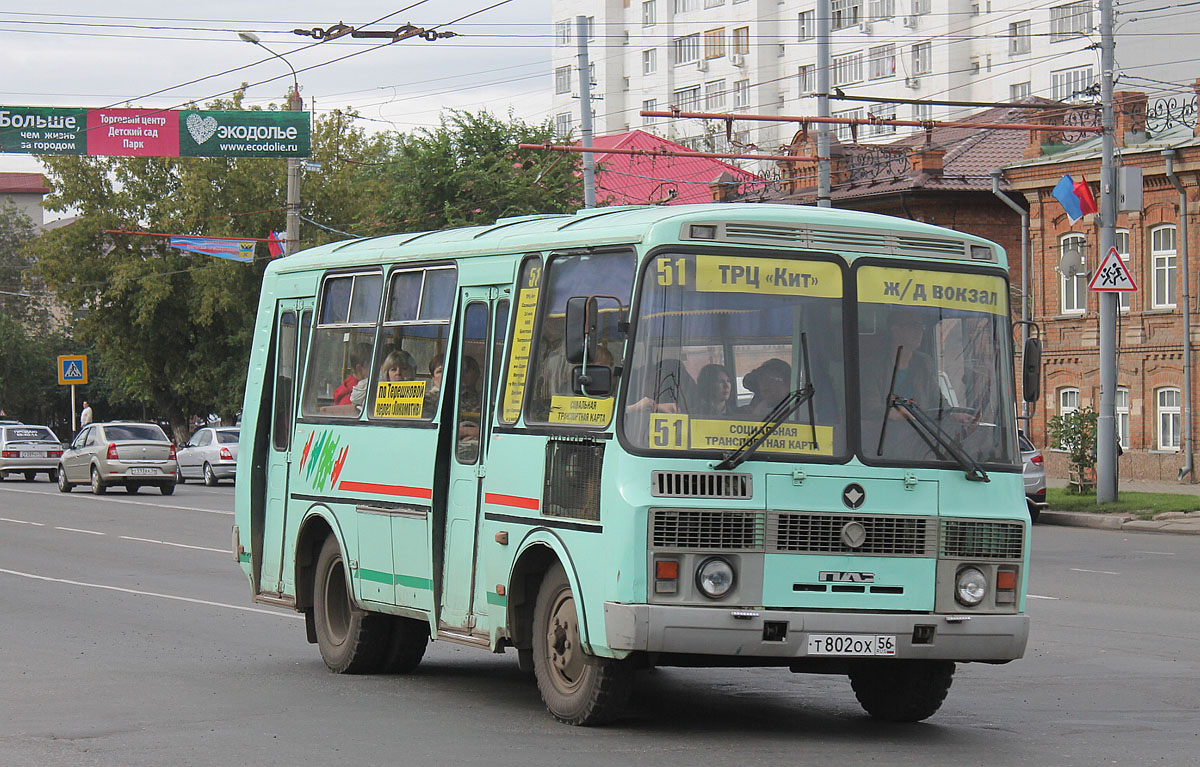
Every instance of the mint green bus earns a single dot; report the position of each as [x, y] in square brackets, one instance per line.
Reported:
[709, 435]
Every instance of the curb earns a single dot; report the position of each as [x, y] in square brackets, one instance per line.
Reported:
[1118, 522]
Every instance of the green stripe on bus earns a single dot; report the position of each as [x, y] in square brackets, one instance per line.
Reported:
[395, 579]
[375, 575]
[495, 599]
[413, 582]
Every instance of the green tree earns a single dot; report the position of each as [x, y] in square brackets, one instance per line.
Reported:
[1075, 432]
[171, 330]
[469, 171]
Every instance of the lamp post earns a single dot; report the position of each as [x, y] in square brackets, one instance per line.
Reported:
[295, 104]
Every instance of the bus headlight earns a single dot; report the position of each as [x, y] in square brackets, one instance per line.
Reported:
[714, 577]
[970, 587]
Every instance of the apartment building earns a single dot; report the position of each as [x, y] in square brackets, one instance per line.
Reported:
[761, 56]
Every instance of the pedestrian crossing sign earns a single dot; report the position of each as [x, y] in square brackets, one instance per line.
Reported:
[72, 369]
[1113, 275]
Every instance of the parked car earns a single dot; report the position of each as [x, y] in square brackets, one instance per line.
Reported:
[28, 450]
[211, 455]
[1035, 476]
[126, 453]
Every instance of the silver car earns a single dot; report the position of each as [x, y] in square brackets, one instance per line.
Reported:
[211, 455]
[1035, 476]
[125, 453]
[29, 451]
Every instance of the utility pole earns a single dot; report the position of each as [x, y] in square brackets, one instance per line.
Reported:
[585, 108]
[295, 104]
[824, 27]
[1106, 434]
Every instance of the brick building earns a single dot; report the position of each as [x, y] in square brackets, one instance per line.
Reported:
[1151, 413]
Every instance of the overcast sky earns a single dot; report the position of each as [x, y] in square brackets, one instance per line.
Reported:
[87, 54]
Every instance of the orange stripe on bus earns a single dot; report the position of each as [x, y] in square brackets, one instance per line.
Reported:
[371, 487]
[511, 500]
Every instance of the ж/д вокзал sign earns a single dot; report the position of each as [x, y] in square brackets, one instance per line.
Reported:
[154, 132]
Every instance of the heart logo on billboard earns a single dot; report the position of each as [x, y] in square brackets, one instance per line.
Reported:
[201, 128]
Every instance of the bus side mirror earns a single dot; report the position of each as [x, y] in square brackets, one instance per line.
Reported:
[1031, 369]
[592, 381]
[582, 318]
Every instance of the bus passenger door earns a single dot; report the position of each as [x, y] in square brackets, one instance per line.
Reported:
[291, 323]
[483, 313]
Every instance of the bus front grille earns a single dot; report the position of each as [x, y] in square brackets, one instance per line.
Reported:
[706, 529]
[982, 539]
[699, 484]
[868, 535]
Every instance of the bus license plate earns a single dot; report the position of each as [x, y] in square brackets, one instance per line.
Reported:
[33, 454]
[851, 644]
[142, 470]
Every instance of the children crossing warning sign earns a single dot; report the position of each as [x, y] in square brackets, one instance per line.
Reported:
[1112, 275]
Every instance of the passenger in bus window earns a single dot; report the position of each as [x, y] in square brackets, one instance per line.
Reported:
[360, 360]
[397, 366]
[771, 382]
[913, 369]
[436, 367]
[715, 388]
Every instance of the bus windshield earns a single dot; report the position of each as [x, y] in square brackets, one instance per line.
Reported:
[933, 352]
[721, 340]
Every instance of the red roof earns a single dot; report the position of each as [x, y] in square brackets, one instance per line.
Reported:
[623, 179]
[23, 183]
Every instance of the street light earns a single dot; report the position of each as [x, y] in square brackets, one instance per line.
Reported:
[295, 104]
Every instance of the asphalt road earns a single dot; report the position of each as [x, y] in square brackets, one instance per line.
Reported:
[127, 637]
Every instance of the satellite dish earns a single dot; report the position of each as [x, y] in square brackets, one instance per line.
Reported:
[1072, 262]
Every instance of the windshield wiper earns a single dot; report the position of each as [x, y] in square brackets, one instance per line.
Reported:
[780, 413]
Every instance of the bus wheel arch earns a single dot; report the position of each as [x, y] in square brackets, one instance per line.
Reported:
[313, 532]
[528, 570]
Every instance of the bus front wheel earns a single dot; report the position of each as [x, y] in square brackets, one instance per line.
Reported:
[901, 690]
[576, 687]
[351, 640]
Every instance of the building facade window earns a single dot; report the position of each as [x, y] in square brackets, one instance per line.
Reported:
[741, 94]
[883, 112]
[806, 79]
[714, 94]
[686, 49]
[1018, 91]
[562, 124]
[1070, 20]
[650, 61]
[741, 40]
[687, 99]
[846, 13]
[844, 132]
[649, 13]
[807, 26]
[847, 68]
[1163, 262]
[1074, 288]
[649, 105]
[1121, 406]
[1019, 40]
[882, 59]
[1071, 84]
[562, 32]
[562, 79]
[922, 112]
[1068, 400]
[713, 3]
[1168, 418]
[683, 6]
[921, 7]
[1121, 241]
[922, 58]
[714, 43]
[878, 10]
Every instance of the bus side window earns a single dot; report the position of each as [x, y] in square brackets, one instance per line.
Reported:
[342, 345]
[285, 373]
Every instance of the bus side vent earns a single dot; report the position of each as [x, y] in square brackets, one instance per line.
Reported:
[842, 239]
[770, 233]
[982, 539]
[706, 529]
[573, 479]
[907, 245]
[887, 536]
[700, 484]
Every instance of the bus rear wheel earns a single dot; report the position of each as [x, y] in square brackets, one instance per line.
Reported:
[406, 645]
[901, 690]
[576, 687]
[351, 640]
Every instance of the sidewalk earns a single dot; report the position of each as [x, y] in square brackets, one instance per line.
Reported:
[1169, 522]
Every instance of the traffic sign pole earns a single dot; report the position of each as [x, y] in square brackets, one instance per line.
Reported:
[74, 412]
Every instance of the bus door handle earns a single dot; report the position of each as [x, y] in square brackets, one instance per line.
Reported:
[480, 471]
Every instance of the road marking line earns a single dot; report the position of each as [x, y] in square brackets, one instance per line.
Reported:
[120, 500]
[77, 530]
[168, 543]
[1160, 553]
[22, 522]
[1035, 596]
[1101, 572]
[31, 576]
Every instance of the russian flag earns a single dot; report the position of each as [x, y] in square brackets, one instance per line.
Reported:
[274, 244]
[1075, 196]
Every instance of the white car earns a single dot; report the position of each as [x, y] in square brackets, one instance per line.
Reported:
[211, 455]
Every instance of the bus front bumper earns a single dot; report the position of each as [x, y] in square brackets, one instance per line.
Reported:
[786, 633]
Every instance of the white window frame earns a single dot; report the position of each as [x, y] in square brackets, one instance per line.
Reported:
[921, 7]
[878, 10]
[649, 13]
[846, 13]
[922, 58]
[847, 69]
[1167, 409]
[1070, 21]
[1070, 84]
[1122, 241]
[806, 26]
[714, 94]
[806, 78]
[649, 105]
[1164, 265]
[687, 99]
[562, 32]
[563, 123]
[562, 79]
[649, 61]
[1121, 407]
[1020, 42]
[883, 112]
[922, 112]
[741, 94]
[1068, 400]
[686, 49]
[881, 61]
[1018, 91]
[843, 132]
[1074, 290]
